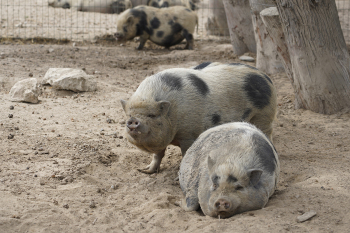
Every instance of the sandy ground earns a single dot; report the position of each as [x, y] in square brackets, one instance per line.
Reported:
[68, 167]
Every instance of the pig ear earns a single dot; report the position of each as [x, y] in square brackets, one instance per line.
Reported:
[211, 163]
[123, 102]
[254, 176]
[164, 106]
[130, 19]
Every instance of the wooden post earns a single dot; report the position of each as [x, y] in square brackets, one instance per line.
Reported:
[217, 22]
[319, 56]
[271, 20]
[240, 26]
[267, 58]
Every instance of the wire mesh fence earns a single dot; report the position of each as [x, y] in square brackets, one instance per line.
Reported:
[32, 19]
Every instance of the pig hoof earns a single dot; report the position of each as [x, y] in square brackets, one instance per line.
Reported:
[149, 170]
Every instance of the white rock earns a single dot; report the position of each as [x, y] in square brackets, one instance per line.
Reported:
[306, 216]
[246, 58]
[69, 79]
[26, 90]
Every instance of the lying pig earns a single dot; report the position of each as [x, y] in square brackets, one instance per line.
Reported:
[169, 3]
[101, 6]
[229, 169]
[65, 4]
[176, 105]
[163, 26]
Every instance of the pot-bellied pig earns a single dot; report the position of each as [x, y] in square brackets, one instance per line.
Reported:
[176, 105]
[163, 26]
[229, 169]
[168, 3]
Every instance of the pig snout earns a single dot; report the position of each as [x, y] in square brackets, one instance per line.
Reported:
[118, 35]
[222, 205]
[133, 124]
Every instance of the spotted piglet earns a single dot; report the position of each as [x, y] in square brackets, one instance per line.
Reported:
[163, 26]
[176, 105]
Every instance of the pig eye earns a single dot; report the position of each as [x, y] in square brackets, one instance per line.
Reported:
[214, 187]
[151, 116]
[239, 187]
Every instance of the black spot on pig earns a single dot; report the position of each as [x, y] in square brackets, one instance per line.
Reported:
[186, 35]
[193, 6]
[231, 179]
[200, 85]
[165, 4]
[268, 78]
[66, 6]
[141, 26]
[170, 39]
[215, 119]
[160, 34]
[172, 81]
[155, 23]
[202, 66]
[265, 153]
[246, 114]
[258, 90]
[118, 7]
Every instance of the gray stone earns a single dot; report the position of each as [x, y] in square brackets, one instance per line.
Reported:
[26, 90]
[69, 79]
[246, 58]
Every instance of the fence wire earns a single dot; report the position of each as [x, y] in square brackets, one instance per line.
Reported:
[28, 19]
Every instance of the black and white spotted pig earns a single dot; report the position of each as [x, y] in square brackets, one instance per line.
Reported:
[229, 169]
[169, 3]
[118, 6]
[163, 26]
[176, 105]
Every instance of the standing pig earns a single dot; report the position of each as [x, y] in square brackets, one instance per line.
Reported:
[229, 169]
[176, 105]
[163, 26]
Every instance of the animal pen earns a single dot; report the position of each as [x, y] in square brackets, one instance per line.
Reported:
[35, 19]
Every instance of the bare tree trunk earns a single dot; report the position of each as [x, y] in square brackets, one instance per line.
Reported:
[240, 26]
[217, 22]
[271, 20]
[319, 57]
[267, 58]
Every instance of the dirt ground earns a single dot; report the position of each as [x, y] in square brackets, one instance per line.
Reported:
[69, 169]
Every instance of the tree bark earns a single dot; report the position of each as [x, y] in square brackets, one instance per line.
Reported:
[271, 20]
[319, 56]
[240, 26]
[267, 58]
[217, 22]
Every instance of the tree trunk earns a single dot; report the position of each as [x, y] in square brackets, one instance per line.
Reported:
[217, 22]
[267, 58]
[271, 20]
[240, 26]
[319, 56]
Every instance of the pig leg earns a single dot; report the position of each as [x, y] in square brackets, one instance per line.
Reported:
[189, 39]
[184, 145]
[155, 164]
[190, 203]
[143, 39]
